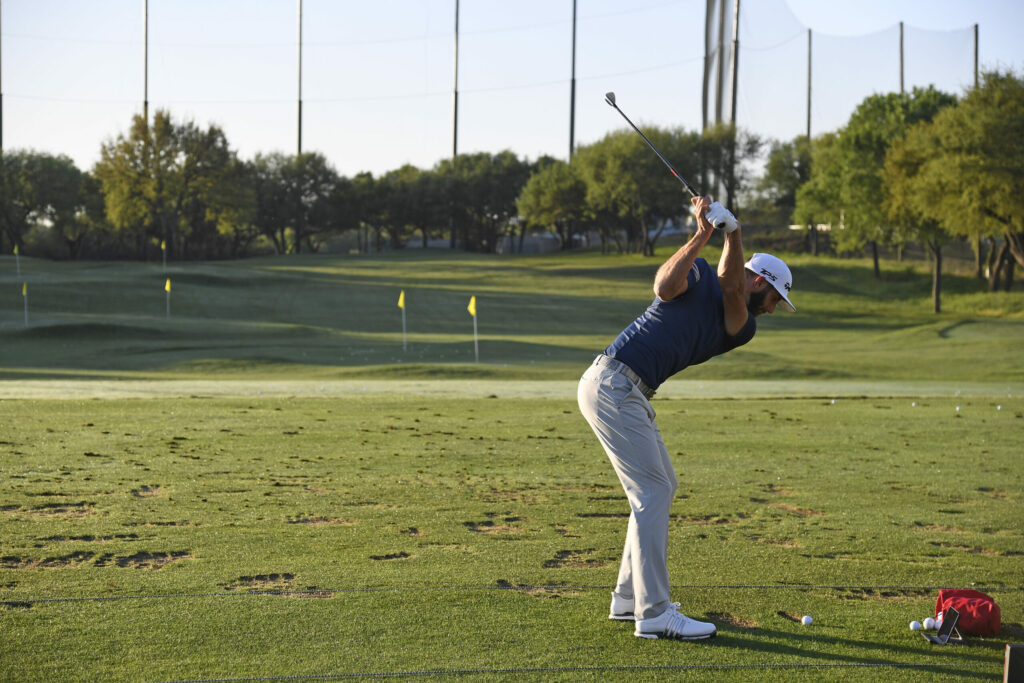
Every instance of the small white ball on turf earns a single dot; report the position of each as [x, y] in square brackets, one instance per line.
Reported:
[929, 624]
[915, 625]
[807, 621]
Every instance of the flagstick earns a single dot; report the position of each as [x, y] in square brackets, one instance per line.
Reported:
[17, 259]
[403, 329]
[25, 297]
[476, 347]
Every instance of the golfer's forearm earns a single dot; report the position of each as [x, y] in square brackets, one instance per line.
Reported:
[731, 265]
[671, 280]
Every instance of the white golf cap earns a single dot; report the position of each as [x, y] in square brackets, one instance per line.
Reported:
[775, 271]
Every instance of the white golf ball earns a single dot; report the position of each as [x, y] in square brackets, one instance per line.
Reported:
[807, 621]
[915, 625]
[929, 624]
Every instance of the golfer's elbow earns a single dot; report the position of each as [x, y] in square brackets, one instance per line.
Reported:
[666, 290]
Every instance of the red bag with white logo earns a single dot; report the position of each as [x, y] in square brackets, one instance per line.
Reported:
[979, 613]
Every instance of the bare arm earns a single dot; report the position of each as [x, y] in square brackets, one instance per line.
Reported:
[670, 280]
[732, 278]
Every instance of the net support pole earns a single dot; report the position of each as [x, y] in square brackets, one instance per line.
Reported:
[901, 58]
[808, 85]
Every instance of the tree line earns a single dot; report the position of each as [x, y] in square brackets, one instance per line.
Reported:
[923, 166]
[174, 185]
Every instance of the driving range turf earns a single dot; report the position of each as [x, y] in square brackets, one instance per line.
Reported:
[265, 484]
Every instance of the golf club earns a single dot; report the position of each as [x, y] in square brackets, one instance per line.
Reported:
[610, 99]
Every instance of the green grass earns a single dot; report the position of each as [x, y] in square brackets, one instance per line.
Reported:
[322, 318]
[309, 500]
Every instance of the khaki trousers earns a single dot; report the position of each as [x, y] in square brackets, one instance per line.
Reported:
[623, 421]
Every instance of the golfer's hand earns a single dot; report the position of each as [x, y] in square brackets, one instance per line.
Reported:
[700, 209]
[721, 218]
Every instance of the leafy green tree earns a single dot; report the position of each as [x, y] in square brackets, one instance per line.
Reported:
[727, 154]
[44, 190]
[818, 199]
[910, 185]
[178, 184]
[274, 213]
[480, 190]
[214, 201]
[787, 168]
[554, 197]
[877, 122]
[313, 181]
[629, 190]
[136, 173]
[976, 173]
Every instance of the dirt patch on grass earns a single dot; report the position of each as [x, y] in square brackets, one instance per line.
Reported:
[57, 562]
[976, 550]
[732, 620]
[939, 527]
[492, 528]
[777, 490]
[262, 582]
[792, 509]
[413, 532]
[391, 556]
[66, 510]
[574, 559]
[782, 542]
[147, 492]
[86, 538]
[323, 521]
[882, 594]
[706, 520]
[143, 560]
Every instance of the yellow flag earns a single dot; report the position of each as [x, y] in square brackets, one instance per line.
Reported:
[15, 249]
[472, 306]
[163, 245]
[167, 286]
[401, 299]
[24, 287]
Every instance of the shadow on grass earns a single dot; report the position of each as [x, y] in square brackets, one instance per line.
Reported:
[774, 643]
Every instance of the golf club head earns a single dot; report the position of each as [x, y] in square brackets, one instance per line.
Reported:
[609, 97]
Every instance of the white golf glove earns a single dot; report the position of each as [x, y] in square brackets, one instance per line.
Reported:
[721, 218]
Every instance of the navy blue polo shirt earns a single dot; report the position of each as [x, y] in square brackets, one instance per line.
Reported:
[672, 335]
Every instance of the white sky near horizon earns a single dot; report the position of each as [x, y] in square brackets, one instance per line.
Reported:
[377, 77]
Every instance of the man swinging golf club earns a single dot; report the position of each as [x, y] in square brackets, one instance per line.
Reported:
[696, 314]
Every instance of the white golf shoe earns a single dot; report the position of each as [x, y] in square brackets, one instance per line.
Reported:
[621, 609]
[674, 625]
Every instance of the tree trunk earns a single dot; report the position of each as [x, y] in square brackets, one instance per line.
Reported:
[1010, 265]
[874, 257]
[979, 258]
[996, 265]
[936, 276]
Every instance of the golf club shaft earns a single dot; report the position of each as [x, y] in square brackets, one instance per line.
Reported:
[689, 188]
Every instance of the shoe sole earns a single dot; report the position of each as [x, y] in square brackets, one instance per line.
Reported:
[659, 636]
[622, 617]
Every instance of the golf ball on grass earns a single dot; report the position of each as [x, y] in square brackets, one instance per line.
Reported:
[929, 624]
[915, 625]
[806, 621]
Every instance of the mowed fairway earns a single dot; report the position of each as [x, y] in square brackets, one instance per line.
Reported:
[266, 485]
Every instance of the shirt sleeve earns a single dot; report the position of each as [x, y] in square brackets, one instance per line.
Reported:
[745, 334]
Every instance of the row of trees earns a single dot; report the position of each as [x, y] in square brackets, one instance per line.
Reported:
[922, 167]
[175, 184]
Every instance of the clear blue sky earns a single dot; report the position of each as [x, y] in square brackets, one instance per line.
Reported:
[377, 76]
